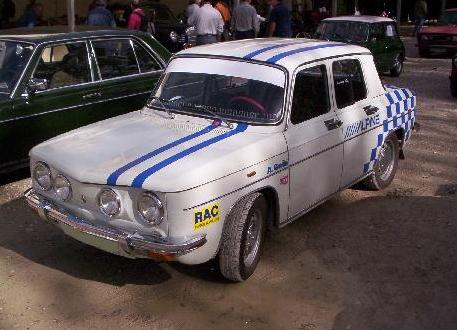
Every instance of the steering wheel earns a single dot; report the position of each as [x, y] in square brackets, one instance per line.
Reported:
[259, 107]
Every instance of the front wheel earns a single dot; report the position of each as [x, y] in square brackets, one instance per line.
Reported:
[397, 68]
[386, 165]
[242, 238]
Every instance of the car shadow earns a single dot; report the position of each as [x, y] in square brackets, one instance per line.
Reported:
[23, 232]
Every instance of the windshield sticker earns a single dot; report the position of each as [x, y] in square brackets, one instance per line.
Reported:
[206, 216]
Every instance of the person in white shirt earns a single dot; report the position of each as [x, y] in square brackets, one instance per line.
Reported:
[192, 7]
[208, 23]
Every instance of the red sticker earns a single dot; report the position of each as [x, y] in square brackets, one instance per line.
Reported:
[284, 179]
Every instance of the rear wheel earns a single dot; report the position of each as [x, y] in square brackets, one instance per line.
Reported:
[242, 239]
[454, 87]
[397, 68]
[386, 165]
[423, 52]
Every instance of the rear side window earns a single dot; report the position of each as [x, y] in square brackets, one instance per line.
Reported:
[146, 62]
[310, 94]
[391, 31]
[348, 81]
[115, 58]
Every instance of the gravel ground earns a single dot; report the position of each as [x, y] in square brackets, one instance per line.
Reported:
[363, 260]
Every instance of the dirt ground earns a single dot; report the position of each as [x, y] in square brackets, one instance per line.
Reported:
[363, 260]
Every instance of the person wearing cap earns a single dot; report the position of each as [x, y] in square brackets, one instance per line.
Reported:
[100, 16]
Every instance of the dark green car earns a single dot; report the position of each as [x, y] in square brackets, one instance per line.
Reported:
[378, 34]
[54, 82]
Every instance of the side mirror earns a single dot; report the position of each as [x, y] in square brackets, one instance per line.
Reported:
[37, 85]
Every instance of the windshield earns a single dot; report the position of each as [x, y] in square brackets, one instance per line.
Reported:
[343, 31]
[449, 18]
[13, 59]
[229, 90]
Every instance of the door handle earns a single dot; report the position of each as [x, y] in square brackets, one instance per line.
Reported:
[92, 96]
[333, 124]
[370, 110]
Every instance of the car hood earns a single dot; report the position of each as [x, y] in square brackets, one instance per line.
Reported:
[439, 29]
[148, 150]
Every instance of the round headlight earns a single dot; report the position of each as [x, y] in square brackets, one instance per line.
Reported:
[62, 187]
[173, 36]
[109, 202]
[42, 176]
[150, 208]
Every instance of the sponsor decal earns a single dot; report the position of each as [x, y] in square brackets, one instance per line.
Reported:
[362, 125]
[208, 215]
[277, 167]
[284, 179]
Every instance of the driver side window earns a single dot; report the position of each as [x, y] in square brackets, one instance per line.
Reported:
[310, 94]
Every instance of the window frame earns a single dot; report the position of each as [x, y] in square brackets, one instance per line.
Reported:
[140, 44]
[329, 91]
[343, 58]
[41, 50]
[131, 40]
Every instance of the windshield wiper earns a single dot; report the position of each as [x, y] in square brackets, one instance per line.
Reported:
[162, 106]
[201, 107]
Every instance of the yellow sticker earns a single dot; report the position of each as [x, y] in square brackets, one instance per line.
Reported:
[206, 216]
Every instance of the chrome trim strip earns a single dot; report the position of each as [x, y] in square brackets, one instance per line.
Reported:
[132, 243]
[72, 107]
[13, 92]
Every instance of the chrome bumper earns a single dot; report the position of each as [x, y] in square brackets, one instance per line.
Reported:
[134, 244]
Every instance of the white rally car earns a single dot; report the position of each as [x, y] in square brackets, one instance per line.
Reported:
[237, 137]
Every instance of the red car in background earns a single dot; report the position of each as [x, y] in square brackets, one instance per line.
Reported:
[441, 37]
[453, 77]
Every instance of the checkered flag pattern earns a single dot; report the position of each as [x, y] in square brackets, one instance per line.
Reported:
[401, 111]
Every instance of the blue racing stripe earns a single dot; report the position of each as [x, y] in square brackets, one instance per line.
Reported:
[139, 180]
[280, 56]
[266, 49]
[112, 179]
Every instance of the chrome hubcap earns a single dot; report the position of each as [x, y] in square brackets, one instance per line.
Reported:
[252, 243]
[386, 160]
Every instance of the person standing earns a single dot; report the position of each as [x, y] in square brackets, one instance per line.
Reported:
[137, 19]
[420, 12]
[245, 22]
[100, 16]
[280, 22]
[224, 10]
[192, 7]
[33, 16]
[208, 23]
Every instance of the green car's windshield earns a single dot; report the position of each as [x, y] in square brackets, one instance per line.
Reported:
[343, 31]
[13, 59]
[449, 18]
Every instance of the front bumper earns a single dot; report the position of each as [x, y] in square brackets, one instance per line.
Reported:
[113, 240]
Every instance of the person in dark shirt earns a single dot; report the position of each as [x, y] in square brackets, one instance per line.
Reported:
[280, 22]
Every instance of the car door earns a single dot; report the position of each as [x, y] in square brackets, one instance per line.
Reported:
[60, 103]
[393, 44]
[127, 71]
[377, 46]
[314, 139]
[359, 107]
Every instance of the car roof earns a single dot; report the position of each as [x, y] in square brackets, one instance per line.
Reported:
[289, 53]
[363, 19]
[43, 34]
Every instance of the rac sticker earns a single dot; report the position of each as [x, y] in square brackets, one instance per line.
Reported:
[206, 216]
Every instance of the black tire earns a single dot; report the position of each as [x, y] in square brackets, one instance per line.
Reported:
[423, 52]
[385, 168]
[454, 88]
[234, 264]
[397, 69]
